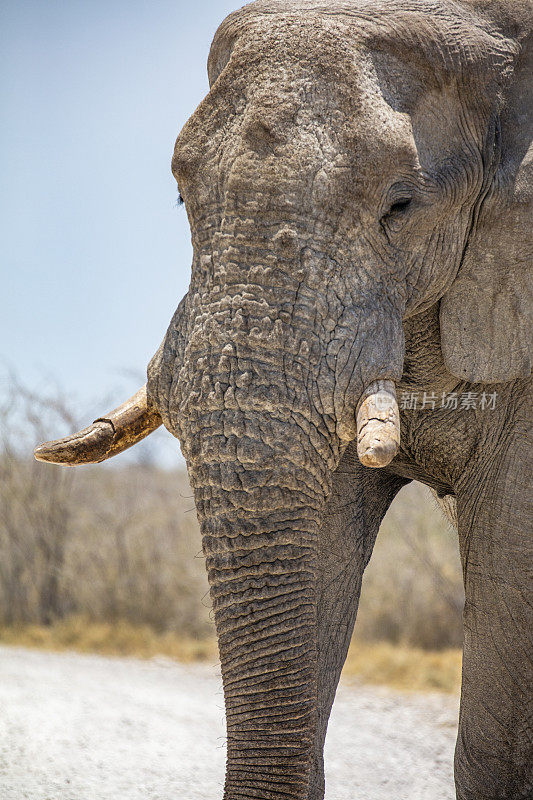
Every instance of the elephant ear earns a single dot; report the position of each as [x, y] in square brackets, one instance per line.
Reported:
[486, 317]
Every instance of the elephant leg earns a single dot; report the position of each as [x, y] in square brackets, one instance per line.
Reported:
[494, 752]
[355, 508]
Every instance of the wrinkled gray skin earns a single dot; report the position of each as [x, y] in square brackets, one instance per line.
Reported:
[359, 183]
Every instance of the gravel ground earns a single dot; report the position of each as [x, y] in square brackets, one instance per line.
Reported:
[76, 727]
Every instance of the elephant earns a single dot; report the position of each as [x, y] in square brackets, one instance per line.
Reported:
[359, 185]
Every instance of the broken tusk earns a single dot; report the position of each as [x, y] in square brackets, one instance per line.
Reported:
[378, 425]
[125, 426]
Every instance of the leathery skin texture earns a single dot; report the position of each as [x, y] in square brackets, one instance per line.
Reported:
[359, 191]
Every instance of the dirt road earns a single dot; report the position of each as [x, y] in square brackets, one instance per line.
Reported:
[76, 727]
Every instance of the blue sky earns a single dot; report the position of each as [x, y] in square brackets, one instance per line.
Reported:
[95, 253]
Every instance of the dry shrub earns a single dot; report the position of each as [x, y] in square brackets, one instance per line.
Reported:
[110, 545]
[136, 555]
[117, 545]
[412, 590]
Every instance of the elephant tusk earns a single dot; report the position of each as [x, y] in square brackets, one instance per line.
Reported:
[378, 425]
[106, 437]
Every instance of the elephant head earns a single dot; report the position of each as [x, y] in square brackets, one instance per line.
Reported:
[342, 177]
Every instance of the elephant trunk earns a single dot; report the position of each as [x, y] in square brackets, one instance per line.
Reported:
[263, 415]
[259, 487]
[261, 566]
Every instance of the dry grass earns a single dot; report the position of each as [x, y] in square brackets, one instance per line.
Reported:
[404, 668]
[379, 663]
[113, 639]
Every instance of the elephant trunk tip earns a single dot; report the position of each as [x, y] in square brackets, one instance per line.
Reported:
[378, 425]
[106, 437]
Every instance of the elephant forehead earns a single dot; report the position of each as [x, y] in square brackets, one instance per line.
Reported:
[313, 39]
[291, 70]
[437, 38]
[287, 68]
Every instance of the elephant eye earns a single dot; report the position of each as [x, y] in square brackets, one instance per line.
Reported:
[399, 207]
[396, 212]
